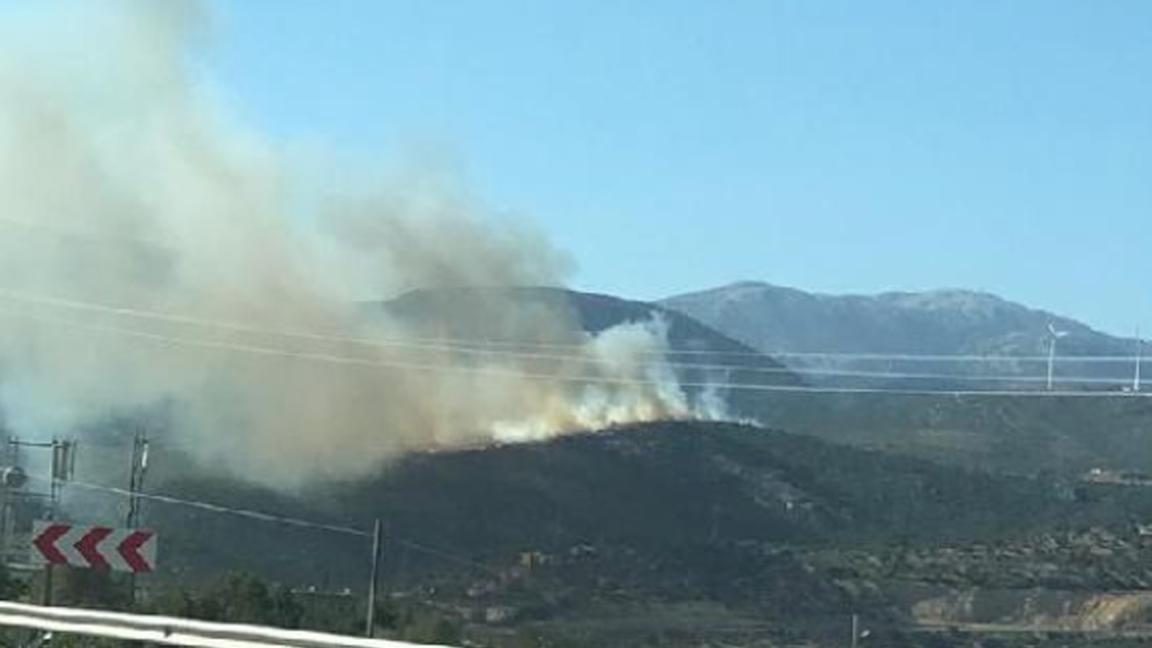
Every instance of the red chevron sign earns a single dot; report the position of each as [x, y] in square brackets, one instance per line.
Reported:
[127, 550]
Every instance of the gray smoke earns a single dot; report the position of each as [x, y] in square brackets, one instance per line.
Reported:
[154, 251]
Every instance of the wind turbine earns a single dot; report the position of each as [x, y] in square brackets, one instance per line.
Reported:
[1139, 360]
[1055, 335]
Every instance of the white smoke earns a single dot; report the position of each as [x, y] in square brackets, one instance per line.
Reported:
[153, 251]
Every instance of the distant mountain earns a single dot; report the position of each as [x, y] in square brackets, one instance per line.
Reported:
[792, 325]
[1004, 433]
[774, 318]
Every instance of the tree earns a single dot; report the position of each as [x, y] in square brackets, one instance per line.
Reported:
[238, 598]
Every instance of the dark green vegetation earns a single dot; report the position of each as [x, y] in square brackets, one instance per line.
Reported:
[656, 487]
[674, 533]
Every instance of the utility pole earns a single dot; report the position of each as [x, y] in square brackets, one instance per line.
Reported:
[377, 543]
[136, 474]
[61, 467]
[139, 469]
[11, 457]
[855, 629]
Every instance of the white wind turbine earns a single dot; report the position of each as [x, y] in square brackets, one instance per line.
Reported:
[1055, 335]
[1139, 361]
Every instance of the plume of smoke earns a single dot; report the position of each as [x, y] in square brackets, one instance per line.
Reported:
[120, 184]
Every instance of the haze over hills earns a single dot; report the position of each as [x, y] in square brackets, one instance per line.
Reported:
[775, 318]
[489, 314]
[700, 354]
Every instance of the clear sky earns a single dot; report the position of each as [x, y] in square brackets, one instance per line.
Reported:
[678, 145]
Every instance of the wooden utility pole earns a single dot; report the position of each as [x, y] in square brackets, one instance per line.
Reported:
[377, 544]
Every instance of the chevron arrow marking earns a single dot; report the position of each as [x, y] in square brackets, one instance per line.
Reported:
[88, 546]
[130, 549]
[98, 547]
[44, 540]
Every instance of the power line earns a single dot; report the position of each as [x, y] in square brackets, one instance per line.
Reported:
[778, 370]
[578, 359]
[276, 519]
[214, 508]
[512, 347]
[928, 357]
[460, 345]
[440, 553]
[334, 359]
[577, 379]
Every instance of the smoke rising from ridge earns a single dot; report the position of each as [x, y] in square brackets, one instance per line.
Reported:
[152, 251]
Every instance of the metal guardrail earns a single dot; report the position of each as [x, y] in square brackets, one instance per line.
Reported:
[176, 631]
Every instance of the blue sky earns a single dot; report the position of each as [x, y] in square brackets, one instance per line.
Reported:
[673, 146]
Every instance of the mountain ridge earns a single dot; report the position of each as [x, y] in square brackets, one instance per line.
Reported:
[774, 318]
